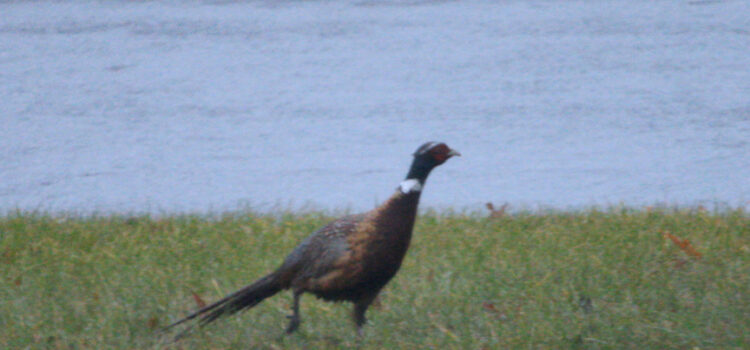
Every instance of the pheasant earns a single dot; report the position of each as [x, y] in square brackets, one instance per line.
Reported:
[349, 259]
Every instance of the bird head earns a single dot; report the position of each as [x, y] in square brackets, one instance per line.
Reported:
[434, 153]
[427, 157]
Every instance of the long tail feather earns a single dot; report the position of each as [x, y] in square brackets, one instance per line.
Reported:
[244, 298]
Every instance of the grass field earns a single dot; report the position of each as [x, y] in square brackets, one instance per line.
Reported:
[592, 279]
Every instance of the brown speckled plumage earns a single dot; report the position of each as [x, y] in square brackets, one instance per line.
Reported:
[349, 259]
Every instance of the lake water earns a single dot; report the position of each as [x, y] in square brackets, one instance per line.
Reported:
[190, 106]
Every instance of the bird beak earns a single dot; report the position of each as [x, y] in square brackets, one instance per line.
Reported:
[453, 152]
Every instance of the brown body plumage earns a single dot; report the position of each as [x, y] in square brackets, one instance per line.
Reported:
[350, 259]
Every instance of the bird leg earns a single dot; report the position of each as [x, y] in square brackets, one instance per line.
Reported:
[294, 319]
[360, 307]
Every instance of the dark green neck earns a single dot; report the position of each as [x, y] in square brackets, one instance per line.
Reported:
[420, 169]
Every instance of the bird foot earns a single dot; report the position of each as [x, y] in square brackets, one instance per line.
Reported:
[293, 324]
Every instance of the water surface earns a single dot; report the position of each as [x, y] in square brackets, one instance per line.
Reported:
[207, 106]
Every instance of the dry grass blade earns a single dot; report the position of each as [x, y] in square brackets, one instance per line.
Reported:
[442, 328]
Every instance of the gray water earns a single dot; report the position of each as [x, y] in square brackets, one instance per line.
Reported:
[190, 106]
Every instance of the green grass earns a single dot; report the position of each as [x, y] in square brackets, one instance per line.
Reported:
[468, 282]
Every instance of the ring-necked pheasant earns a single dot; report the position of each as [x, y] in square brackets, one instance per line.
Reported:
[349, 259]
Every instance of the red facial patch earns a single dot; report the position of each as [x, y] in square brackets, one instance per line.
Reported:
[440, 157]
[440, 152]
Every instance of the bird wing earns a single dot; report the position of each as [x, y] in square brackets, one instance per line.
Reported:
[325, 256]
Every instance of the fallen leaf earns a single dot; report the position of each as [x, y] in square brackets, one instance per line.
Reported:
[489, 306]
[497, 213]
[199, 301]
[684, 245]
[152, 322]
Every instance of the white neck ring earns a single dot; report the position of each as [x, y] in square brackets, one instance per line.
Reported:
[410, 185]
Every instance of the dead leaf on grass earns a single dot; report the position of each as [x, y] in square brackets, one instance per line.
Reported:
[152, 322]
[683, 244]
[497, 213]
[198, 300]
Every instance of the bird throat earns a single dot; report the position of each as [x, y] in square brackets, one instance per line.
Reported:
[416, 177]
